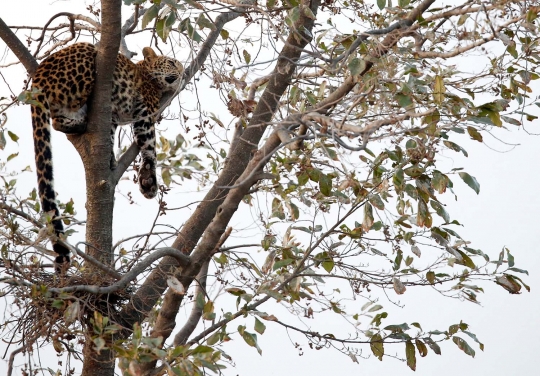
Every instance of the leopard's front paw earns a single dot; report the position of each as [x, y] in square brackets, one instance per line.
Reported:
[147, 180]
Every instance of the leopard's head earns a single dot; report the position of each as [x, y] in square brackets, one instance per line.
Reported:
[165, 71]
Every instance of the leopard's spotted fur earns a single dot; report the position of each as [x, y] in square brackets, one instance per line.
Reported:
[62, 85]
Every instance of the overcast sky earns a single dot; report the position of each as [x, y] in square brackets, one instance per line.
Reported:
[504, 214]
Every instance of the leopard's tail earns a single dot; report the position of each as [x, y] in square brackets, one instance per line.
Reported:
[42, 147]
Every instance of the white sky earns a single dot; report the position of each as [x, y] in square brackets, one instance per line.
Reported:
[504, 214]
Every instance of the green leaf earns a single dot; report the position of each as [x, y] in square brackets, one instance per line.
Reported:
[377, 346]
[293, 16]
[414, 171]
[398, 259]
[368, 217]
[421, 347]
[150, 14]
[277, 209]
[204, 22]
[13, 136]
[473, 336]
[439, 209]
[510, 120]
[259, 326]
[308, 13]
[397, 328]
[438, 89]
[303, 178]
[430, 276]
[423, 217]
[2, 141]
[470, 181]
[510, 258]
[325, 184]
[185, 26]
[381, 4]
[357, 66]
[202, 349]
[455, 147]
[410, 354]
[378, 317]
[517, 270]
[251, 339]
[475, 135]
[439, 182]
[293, 211]
[247, 56]
[281, 263]
[235, 291]
[463, 345]
[465, 260]
[403, 100]
[100, 344]
[328, 265]
[433, 345]
[376, 201]
[213, 339]
[166, 176]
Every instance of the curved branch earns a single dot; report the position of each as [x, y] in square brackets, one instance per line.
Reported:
[12, 359]
[18, 48]
[182, 259]
[196, 312]
[71, 17]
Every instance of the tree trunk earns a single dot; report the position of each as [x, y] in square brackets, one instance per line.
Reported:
[96, 150]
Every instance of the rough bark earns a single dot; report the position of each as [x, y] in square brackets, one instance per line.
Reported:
[95, 149]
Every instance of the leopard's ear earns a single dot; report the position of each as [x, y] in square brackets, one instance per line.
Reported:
[148, 53]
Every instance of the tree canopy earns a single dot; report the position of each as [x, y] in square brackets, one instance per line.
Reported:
[304, 183]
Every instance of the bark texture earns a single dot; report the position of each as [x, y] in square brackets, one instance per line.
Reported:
[95, 149]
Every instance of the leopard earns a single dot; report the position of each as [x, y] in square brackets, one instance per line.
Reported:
[62, 86]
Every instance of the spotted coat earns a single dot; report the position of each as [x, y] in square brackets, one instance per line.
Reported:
[62, 85]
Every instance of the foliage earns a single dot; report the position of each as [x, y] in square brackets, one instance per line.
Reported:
[353, 196]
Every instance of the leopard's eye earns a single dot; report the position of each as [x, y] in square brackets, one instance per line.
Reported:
[171, 79]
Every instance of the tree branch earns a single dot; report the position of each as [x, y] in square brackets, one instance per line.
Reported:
[196, 312]
[182, 259]
[95, 148]
[18, 48]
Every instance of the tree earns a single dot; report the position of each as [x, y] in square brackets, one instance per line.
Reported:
[338, 113]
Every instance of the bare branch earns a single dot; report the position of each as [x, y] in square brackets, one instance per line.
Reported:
[12, 358]
[72, 17]
[182, 259]
[468, 47]
[196, 312]
[18, 48]
[370, 127]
